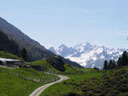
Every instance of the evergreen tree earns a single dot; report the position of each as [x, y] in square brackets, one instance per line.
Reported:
[112, 64]
[105, 65]
[125, 58]
[119, 62]
[24, 54]
[8, 45]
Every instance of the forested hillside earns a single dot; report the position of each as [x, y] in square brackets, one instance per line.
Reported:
[35, 50]
[8, 45]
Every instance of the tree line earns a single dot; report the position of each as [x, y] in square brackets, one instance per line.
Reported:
[122, 61]
[11, 46]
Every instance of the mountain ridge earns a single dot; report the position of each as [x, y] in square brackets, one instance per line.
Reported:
[89, 55]
[35, 50]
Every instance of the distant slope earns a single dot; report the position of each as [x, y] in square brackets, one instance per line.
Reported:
[12, 30]
[35, 50]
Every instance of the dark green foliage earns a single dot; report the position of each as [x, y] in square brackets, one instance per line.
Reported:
[112, 64]
[24, 54]
[72, 94]
[8, 45]
[105, 65]
[57, 62]
[119, 62]
[122, 61]
[37, 67]
[125, 58]
[95, 68]
[112, 83]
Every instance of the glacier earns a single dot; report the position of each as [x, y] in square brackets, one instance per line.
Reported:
[88, 55]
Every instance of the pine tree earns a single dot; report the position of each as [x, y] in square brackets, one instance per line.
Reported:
[112, 64]
[105, 65]
[8, 45]
[119, 62]
[24, 54]
[125, 58]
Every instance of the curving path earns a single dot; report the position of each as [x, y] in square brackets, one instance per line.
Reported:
[39, 90]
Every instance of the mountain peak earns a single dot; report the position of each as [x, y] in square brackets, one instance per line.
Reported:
[52, 49]
[83, 47]
[62, 46]
[85, 43]
[89, 55]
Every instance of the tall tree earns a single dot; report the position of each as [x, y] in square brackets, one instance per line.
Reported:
[105, 65]
[119, 62]
[112, 64]
[24, 54]
[125, 58]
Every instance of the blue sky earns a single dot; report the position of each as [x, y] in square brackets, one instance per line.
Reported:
[53, 22]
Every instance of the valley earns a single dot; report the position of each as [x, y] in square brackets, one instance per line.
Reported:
[29, 69]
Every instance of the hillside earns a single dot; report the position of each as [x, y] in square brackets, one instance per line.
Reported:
[8, 45]
[21, 82]
[77, 76]
[111, 83]
[46, 66]
[4, 54]
[35, 50]
[92, 83]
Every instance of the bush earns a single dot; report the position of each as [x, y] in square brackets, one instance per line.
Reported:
[72, 94]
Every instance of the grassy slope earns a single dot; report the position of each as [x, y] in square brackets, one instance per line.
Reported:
[4, 54]
[21, 82]
[76, 76]
[112, 83]
[45, 65]
[88, 83]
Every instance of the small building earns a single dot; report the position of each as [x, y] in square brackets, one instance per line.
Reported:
[10, 62]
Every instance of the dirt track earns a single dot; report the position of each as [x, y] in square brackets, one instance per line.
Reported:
[39, 90]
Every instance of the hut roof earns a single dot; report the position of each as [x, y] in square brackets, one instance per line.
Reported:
[10, 60]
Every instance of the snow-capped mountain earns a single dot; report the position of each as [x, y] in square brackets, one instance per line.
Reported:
[88, 55]
[53, 50]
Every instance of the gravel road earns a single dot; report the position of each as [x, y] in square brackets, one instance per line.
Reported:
[39, 90]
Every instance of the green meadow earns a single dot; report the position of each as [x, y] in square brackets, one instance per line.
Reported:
[21, 82]
[76, 77]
